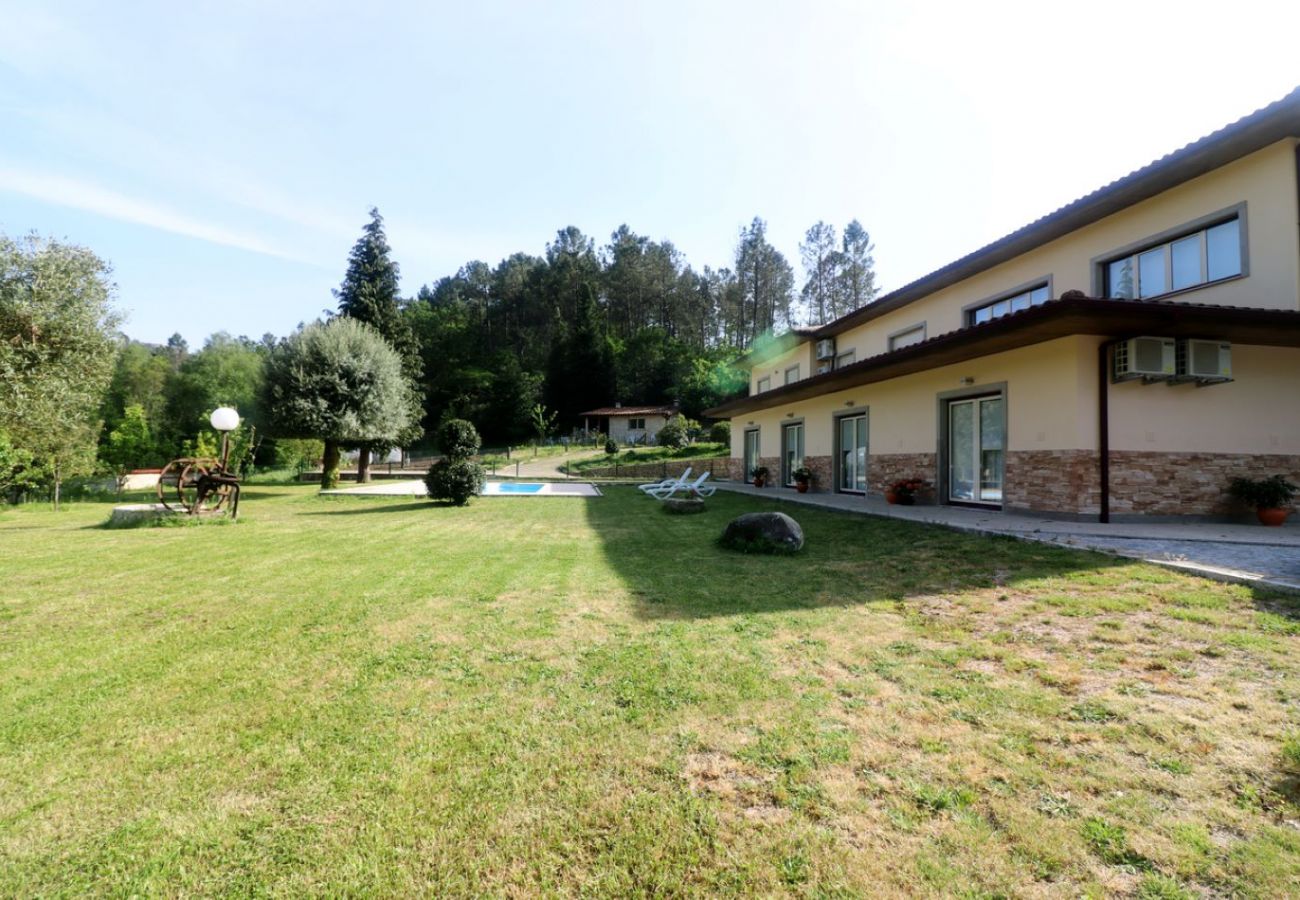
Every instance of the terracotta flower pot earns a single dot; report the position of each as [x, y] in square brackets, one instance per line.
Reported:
[891, 498]
[1271, 516]
[758, 482]
[801, 487]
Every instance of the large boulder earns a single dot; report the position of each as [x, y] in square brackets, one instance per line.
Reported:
[763, 532]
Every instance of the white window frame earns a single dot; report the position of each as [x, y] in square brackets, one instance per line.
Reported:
[847, 358]
[637, 424]
[1165, 241]
[763, 384]
[1024, 294]
[917, 331]
[795, 370]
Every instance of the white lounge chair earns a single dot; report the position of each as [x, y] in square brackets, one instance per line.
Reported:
[679, 481]
[696, 487]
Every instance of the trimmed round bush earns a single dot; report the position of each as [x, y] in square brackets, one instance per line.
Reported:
[720, 433]
[458, 439]
[674, 433]
[610, 447]
[455, 480]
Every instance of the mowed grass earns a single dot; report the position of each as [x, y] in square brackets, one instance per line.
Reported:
[567, 696]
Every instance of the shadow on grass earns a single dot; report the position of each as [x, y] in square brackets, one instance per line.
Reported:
[675, 568]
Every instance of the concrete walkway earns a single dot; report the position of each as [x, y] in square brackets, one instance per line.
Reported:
[1251, 554]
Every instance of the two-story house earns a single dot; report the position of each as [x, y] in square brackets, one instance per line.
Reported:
[1125, 355]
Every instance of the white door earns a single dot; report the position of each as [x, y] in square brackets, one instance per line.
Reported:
[853, 454]
[791, 452]
[976, 450]
[751, 454]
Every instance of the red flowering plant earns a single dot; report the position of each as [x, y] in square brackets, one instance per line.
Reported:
[908, 488]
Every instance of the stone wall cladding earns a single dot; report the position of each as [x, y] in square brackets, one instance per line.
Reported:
[1052, 481]
[884, 469]
[1187, 484]
[823, 479]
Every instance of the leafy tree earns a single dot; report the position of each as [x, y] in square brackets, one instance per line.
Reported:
[857, 275]
[720, 433]
[543, 422]
[57, 347]
[299, 454]
[16, 470]
[765, 281]
[822, 261]
[339, 382]
[369, 294]
[580, 374]
[131, 444]
[226, 372]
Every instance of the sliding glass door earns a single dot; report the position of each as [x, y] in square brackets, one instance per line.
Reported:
[852, 475]
[751, 454]
[976, 439]
[791, 451]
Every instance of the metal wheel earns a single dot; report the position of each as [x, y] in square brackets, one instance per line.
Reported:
[187, 487]
[169, 493]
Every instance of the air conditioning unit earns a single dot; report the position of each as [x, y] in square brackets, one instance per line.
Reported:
[1148, 358]
[824, 368]
[826, 348]
[1205, 362]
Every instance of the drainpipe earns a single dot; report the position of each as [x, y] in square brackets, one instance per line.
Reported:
[1103, 426]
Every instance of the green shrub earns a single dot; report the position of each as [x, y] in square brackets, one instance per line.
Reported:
[455, 480]
[458, 439]
[675, 433]
[610, 447]
[720, 433]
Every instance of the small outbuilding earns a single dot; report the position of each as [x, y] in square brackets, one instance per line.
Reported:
[628, 424]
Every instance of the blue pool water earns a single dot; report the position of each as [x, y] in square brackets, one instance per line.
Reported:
[518, 488]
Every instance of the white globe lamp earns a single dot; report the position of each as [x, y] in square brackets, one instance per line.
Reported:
[224, 419]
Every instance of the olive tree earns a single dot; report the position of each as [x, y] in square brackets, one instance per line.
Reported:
[339, 382]
[58, 344]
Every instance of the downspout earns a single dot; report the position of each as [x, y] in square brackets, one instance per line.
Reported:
[1103, 427]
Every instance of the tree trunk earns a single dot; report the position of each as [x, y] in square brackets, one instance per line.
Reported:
[363, 464]
[58, 483]
[329, 476]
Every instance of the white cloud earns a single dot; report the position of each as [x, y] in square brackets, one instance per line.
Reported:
[69, 192]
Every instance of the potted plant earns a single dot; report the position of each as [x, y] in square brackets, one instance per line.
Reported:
[1269, 496]
[759, 475]
[903, 493]
[802, 478]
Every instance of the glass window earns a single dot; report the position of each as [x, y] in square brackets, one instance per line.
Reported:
[1223, 250]
[1187, 262]
[792, 375]
[845, 359]
[907, 338]
[989, 311]
[1119, 279]
[764, 384]
[1151, 273]
[1197, 258]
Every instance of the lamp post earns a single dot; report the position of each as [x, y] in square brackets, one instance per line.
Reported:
[225, 420]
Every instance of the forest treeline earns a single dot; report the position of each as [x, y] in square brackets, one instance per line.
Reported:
[580, 325]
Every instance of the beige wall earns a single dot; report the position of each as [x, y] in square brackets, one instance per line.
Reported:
[618, 429]
[1052, 405]
[1265, 181]
[775, 368]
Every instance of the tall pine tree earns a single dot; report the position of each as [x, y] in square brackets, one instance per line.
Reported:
[369, 294]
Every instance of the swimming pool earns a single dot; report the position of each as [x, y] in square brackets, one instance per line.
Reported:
[540, 489]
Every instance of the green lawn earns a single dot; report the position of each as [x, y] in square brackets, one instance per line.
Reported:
[633, 456]
[566, 696]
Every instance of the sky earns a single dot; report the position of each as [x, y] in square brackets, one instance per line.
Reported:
[223, 156]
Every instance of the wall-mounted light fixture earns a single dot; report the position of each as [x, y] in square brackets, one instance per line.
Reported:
[848, 403]
[750, 422]
[789, 415]
[967, 380]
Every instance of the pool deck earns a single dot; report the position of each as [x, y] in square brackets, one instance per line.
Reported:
[416, 488]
